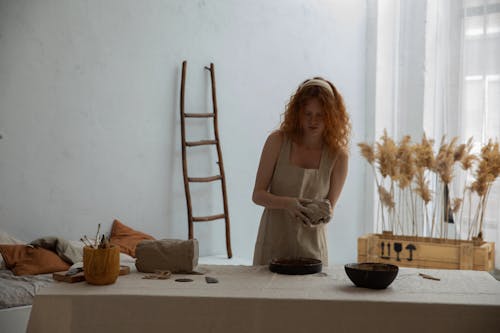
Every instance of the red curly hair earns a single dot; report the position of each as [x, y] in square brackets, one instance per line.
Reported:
[337, 123]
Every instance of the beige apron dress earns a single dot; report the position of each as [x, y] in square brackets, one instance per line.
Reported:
[281, 235]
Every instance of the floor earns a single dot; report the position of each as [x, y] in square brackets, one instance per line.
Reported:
[223, 260]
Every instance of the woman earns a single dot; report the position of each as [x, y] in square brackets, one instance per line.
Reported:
[302, 170]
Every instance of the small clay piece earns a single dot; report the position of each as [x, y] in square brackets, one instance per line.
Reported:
[158, 275]
[74, 271]
[183, 280]
[210, 279]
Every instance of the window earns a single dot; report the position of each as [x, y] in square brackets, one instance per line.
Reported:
[436, 68]
[481, 89]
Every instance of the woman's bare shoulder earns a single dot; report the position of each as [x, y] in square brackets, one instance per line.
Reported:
[275, 139]
[342, 154]
[340, 157]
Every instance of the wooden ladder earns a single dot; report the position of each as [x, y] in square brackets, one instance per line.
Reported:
[215, 142]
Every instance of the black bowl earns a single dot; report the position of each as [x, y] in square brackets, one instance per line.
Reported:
[371, 275]
[296, 266]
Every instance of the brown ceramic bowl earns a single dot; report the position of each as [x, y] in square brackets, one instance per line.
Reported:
[371, 275]
[296, 266]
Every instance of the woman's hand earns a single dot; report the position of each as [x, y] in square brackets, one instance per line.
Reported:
[295, 207]
[322, 211]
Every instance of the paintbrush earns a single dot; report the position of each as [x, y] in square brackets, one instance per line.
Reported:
[97, 235]
[85, 242]
[103, 243]
[88, 240]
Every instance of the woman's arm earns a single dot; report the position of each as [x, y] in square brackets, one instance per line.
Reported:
[268, 160]
[337, 179]
[261, 195]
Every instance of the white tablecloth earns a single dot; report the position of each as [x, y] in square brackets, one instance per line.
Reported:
[252, 299]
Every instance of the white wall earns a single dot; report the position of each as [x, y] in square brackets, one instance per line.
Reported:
[89, 110]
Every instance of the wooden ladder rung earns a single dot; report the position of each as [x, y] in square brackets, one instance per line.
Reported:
[208, 218]
[204, 179]
[200, 143]
[199, 115]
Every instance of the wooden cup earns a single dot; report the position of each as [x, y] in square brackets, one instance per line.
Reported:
[101, 266]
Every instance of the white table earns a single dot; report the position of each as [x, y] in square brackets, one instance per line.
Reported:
[252, 299]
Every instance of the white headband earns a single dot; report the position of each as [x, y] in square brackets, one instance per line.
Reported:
[319, 83]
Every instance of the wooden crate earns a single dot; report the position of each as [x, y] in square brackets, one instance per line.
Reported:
[425, 252]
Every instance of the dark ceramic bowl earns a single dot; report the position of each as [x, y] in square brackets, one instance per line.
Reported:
[371, 275]
[296, 266]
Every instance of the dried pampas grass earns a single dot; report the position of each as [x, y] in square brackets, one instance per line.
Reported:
[386, 197]
[406, 162]
[386, 157]
[422, 186]
[425, 154]
[409, 166]
[488, 169]
[455, 206]
[367, 152]
[445, 160]
[467, 159]
[487, 172]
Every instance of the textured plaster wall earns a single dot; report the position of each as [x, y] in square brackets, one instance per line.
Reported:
[89, 110]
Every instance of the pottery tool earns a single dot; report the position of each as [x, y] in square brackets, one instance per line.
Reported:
[430, 277]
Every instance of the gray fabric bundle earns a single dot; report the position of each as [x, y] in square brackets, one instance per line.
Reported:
[175, 255]
[67, 252]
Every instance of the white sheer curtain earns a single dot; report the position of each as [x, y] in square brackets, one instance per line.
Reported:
[434, 66]
[480, 92]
